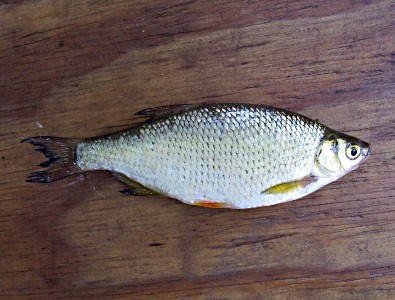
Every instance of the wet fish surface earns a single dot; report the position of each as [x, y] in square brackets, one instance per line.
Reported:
[213, 155]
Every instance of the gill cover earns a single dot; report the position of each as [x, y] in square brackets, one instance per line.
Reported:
[328, 154]
[340, 153]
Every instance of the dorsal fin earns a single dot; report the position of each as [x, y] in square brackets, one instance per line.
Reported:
[158, 112]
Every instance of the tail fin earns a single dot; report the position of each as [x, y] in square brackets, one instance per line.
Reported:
[61, 154]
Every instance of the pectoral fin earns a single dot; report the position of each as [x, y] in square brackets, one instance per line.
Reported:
[288, 187]
[135, 188]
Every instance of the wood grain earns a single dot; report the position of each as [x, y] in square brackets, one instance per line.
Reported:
[82, 68]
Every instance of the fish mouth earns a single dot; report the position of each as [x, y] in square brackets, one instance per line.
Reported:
[366, 150]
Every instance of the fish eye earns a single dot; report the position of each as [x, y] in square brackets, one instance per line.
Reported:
[353, 151]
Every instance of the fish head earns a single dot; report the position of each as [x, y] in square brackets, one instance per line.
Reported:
[339, 154]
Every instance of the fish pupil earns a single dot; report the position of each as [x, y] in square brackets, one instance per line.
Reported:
[354, 151]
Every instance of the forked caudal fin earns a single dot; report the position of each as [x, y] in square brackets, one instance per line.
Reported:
[61, 154]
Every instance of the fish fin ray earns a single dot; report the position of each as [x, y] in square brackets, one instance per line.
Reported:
[61, 158]
[135, 188]
[211, 204]
[292, 186]
[137, 192]
[158, 112]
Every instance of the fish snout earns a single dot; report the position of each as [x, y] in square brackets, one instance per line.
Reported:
[366, 149]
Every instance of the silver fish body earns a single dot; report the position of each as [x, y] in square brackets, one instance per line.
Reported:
[224, 155]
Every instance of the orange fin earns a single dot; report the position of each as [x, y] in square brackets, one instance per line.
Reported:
[211, 204]
[155, 113]
[287, 187]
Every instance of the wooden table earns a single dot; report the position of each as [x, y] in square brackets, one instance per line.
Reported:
[82, 68]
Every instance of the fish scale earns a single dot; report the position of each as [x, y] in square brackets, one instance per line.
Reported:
[199, 156]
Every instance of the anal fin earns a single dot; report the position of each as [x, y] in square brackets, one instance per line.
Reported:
[292, 186]
[137, 192]
[135, 188]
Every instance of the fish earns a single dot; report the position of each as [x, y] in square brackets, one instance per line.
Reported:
[215, 155]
